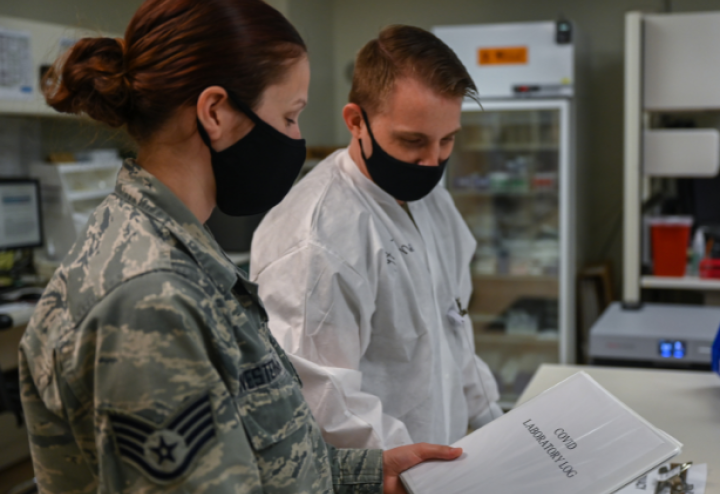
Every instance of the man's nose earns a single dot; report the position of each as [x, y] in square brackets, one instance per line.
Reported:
[430, 156]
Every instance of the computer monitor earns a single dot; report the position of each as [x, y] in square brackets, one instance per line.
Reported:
[20, 216]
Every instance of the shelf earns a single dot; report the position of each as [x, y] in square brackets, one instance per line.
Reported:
[519, 278]
[682, 110]
[88, 166]
[470, 193]
[506, 403]
[30, 108]
[500, 337]
[90, 194]
[510, 147]
[679, 283]
[238, 258]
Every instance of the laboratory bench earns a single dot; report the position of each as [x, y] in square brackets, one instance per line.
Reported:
[685, 404]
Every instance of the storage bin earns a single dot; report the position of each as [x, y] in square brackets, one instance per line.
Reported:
[670, 236]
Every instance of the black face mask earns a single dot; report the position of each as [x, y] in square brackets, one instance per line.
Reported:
[254, 174]
[404, 181]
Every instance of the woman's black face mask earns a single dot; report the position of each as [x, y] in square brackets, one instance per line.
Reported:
[402, 180]
[254, 174]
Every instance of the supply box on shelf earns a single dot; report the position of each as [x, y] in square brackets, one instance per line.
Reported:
[70, 192]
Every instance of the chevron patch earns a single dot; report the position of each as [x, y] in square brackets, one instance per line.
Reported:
[166, 453]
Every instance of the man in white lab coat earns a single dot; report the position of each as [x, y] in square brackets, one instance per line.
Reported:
[364, 267]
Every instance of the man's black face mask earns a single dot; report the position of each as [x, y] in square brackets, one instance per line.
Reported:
[404, 181]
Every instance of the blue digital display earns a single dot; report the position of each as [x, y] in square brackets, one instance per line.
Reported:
[672, 349]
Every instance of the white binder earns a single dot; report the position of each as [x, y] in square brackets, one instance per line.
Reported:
[575, 437]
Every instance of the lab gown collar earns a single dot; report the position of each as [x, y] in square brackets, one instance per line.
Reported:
[140, 188]
[364, 183]
[387, 202]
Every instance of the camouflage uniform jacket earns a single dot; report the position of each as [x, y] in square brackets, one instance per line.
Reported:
[148, 367]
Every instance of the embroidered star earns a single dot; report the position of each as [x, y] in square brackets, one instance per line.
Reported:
[169, 450]
[164, 451]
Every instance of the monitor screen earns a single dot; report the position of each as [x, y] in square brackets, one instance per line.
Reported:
[20, 220]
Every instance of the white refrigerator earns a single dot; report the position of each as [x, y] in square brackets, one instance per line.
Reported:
[511, 176]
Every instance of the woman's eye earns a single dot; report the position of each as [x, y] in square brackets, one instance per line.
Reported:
[412, 142]
[290, 121]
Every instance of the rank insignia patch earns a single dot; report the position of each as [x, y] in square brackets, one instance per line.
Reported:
[167, 452]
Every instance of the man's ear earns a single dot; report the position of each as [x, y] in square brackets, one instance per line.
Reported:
[212, 106]
[352, 114]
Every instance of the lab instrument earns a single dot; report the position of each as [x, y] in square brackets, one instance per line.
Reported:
[655, 335]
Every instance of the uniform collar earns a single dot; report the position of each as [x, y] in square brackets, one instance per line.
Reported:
[138, 187]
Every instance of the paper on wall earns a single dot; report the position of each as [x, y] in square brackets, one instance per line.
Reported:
[16, 65]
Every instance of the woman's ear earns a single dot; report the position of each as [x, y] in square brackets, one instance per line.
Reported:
[223, 123]
[209, 110]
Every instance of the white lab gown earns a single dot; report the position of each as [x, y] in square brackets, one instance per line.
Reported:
[366, 305]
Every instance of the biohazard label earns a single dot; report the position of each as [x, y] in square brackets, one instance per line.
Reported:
[509, 55]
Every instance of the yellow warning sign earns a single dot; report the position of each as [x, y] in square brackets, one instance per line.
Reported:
[507, 55]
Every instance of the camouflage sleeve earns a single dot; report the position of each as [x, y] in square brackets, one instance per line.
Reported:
[145, 398]
[58, 462]
[356, 471]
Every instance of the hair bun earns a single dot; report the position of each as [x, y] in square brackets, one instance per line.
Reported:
[91, 79]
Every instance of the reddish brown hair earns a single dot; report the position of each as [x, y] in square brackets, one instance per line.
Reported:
[172, 51]
[407, 51]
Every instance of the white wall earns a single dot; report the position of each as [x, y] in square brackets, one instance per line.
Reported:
[314, 20]
[101, 15]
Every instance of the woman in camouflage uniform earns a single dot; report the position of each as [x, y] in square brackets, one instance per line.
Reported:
[148, 365]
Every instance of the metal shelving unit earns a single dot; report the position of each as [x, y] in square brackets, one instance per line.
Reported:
[660, 79]
[684, 283]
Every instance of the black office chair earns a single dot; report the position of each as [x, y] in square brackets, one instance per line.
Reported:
[10, 402]
[10, 382]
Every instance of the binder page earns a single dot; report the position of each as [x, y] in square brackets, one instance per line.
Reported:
[574, 437]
